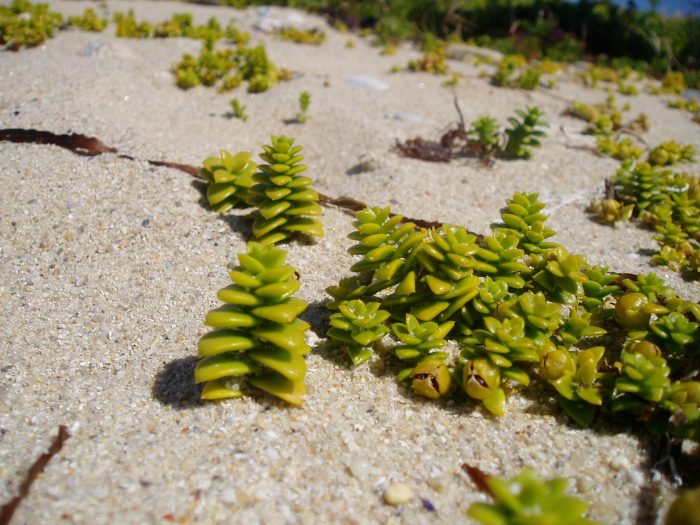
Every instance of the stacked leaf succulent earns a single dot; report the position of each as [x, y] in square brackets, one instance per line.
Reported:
[88, 21]
[356, 326]
[230, 178]
[286, 203]
[526, 499]
[257, 337]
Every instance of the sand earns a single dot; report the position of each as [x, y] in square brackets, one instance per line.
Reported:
[109, 266]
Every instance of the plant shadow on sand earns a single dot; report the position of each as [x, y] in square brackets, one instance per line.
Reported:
[174, 384]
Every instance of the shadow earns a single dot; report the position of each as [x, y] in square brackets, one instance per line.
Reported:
[317, 316]
[174, 384]
[647, 252]
[201, 187]
[238, 224]
[292, 121]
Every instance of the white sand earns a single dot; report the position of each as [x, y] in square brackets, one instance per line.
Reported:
[100, 311]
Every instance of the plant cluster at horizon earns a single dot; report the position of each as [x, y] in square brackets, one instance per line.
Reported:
[257, 337]
[314, 37]
[284, 200]
[521, 308]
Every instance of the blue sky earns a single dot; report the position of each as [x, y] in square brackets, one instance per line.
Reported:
[668, 7]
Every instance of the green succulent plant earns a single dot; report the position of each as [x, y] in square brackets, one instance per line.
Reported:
[671, 152]
[356, 326]
[523, 133]
[529, 79]
[257, 336]
[527, 500]
[286, 203]
[230, 178]
[486, 131]
[644, 375]
[418, 339]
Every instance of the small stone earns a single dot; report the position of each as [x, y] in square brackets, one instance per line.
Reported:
[229, 496]
[397, 494]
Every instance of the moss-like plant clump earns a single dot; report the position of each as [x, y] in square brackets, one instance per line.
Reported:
[88, 21]
[23, 24]
[286, 204]
[257, 337]
[314, 37]
[227, 69]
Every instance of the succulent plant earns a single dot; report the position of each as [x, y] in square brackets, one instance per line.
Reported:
[230, 177]
[542, 318]
[527, 500]
[523, 133]
[597, 287]
[676, 333]
[562, 276]
[257, 337]
[644, 375]
[522, 215]
[486, 132]
[529, 79]
[418, 339]
[286, 203]
[609, 211]
[618, 149]
[671, 152]
[356, 326]
[481, 380]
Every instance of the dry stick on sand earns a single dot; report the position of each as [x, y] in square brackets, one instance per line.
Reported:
[37, 468]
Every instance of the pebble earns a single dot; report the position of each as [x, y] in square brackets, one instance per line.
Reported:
[367, 82]
[397, 494]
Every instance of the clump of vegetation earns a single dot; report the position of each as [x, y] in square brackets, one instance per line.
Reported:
[604, 118]
[527, 499]
[128, 27]
[238, 109]
[522, 308]
[314, 36]
[665, 200]
[88, 21]
[257, 337]
[618, 149]
[285, 203]
[485, 139]
[304, 101]
[228, 68]
[434, 59]
[23, 24]
[689, 105]
[670, 153]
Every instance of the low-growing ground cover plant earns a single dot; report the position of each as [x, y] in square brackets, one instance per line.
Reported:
[522, 309]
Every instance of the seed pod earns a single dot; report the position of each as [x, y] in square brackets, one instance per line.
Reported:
[480, 377]
[431, 378]
[630, 311]
[556, 364]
